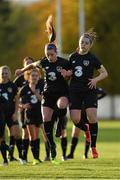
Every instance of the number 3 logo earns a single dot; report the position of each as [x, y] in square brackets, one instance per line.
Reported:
[52, 76]
[78, 71]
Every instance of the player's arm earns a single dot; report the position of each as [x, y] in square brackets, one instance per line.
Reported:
[102, 75]
[14, 116]
[28, 67]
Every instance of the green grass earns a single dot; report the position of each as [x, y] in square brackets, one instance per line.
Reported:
[106, 167]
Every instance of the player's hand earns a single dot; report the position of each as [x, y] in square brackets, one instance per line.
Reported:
[63, 72]
[27, 106]
[92, 83]
[38, 95]
[18, 72]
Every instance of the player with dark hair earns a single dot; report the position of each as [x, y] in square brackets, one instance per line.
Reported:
[75, 131]
[56, 87]
[83, 85]
[8, 91]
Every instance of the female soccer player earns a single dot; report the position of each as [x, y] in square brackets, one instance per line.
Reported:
[31, 103]
[83, 85]
[56, 87]
[75, 131]
[21, 81]
[8, 91]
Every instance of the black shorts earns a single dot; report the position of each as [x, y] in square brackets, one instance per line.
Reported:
[89, 98]
[10, 122]
[50, 99]
[37, 121]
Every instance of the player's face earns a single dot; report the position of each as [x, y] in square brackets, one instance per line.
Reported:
[51, 55]
[29, 61]
[5, 74]
[34, 77]
[84, 44]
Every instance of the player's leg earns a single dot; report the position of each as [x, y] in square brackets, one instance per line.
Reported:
[15, 132]
[74, 141]
[3, 147]
[86, 133]
[91, 110]
[25, 142]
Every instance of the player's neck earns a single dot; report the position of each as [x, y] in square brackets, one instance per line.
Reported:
[83, 52]
[5, 81]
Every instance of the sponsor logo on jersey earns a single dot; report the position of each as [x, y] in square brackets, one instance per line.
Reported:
[86, 62]
[73, 62]
[9, 90]
[59, 68]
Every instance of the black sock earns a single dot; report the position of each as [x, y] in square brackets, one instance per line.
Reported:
[25, 143]
[33, 149]
[49, 132]
[11, 146]
[81, 125]
[93, 132]
[19, 147]
[3, 151]
[73, 145]
[87, 146]
[47, 149]
[37, 148]
[64, 146]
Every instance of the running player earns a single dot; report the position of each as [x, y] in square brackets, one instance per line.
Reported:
[83, 85]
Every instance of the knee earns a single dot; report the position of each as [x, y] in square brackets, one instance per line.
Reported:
[62, 103]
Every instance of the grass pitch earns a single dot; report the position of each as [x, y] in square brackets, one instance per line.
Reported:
[107, 166]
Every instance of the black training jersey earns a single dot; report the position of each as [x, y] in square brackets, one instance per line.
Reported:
[54, 81]
[8, 91]
[83, 67]
[20, 81]
[29, 97]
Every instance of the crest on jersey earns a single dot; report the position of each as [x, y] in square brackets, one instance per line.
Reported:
[86, 62]
[59, 68]
[9, 90]
[24, 82]
[47, 67]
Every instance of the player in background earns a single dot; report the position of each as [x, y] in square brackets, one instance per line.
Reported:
[21, 81]
[31, 103]
[8, 91]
